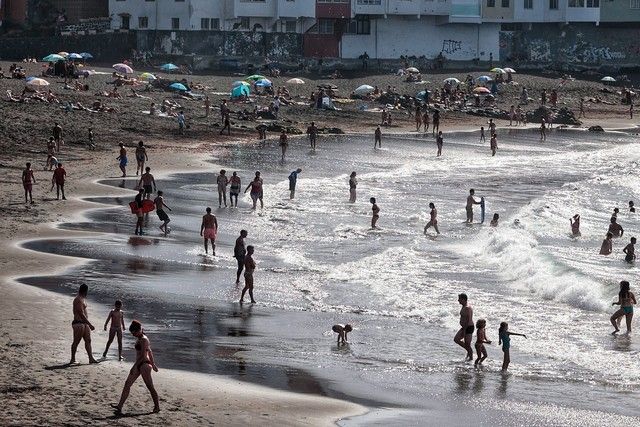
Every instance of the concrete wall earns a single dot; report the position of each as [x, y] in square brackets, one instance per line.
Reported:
[397, 36]
[104, 47]
[498, 13]
[222, 44]
[75, 10]
[618, 11]
[579, 44]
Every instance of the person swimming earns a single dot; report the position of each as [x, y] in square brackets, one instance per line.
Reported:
[607, 245]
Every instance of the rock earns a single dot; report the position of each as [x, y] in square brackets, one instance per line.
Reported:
[266, 115]
[596, 129]
[562, 116]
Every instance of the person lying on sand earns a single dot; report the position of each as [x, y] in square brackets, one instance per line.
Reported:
[135, 94]
[12, 98]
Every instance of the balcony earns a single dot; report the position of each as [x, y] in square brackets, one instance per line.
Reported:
[296, 9]
[254, 8]
[337, 9]
[370, 7]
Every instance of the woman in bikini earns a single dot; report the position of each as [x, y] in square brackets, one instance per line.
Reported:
[626, 300]
[143, 366]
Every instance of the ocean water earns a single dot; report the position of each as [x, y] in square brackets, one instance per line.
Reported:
[319, 263]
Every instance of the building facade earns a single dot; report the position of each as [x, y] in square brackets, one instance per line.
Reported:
[620, 11]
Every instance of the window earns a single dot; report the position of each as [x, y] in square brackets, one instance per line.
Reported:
[325, 26]
[576, 3]
[360, 25]
[149, 0]
[215, 23]
[505, 3]
[290, 26]
[528, 4]
[334, 1]
[491, 3]
[593, 3]
[124, 24]
[175, 23]
[179, 0]
[204, 23]
[244, 23]
[370, 2]
[143, 22]
[634, 4]
[553, 4]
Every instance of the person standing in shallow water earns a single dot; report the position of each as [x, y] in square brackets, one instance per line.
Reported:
[626, 301]
[284, 143]
[630, 251]
[504, 338]
[239, 253]
[143, 365]
[575, 225]
[249, 268]
[209, 230]
[353, 183]
[607, 245]
[433, 222]
[465, 334]
[293, 180]
[81, 326]
[377, 138]
[471, 200]
[439, 144]
[375, 212]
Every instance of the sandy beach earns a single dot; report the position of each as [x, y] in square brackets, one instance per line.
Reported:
[38, 388]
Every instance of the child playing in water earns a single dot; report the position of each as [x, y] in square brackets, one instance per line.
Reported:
[342, 331]
[481, 340]
[575, 225]
[494, 221]
[607, 245]
[376, 212]
[504, 338]
[482, 137]
[630, 251]
[116, 316]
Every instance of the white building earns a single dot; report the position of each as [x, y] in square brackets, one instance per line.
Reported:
[541, 11]
[242, 15]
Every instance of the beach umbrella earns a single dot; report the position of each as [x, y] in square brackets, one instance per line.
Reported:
[364, 89]
[484, 79]
[74, 56]
[65, 54]
[264, 83]
[240, 90]
[54, 57]
[481, 90]
[239, 83]
[422, 94]
[86, 55]
[608, 79]
[295, 81]
[510, 70]
[498, 70]
[35, 81]
[452, 80]
[412, 70]
[122, 68]
[169, 67]
[178, 86]
[256, 77]
[147, 76]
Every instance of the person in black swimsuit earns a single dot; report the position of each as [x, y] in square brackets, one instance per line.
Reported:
[465, 334]
[143, 366]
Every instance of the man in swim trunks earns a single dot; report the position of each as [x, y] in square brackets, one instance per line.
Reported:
[123, 160]
[160, 205]
[209, 230]
[239, 253]
[630, 251]
[81, 326]
[434, 219]
[471, 200]
[377, 138]
[139, 213]
[58, 178]
[312, 131]
[249, 267]
[293, 179]
[147, 182]
[615, 228]
[27, 182]
[465, 334]
[141, 157]
[234, 189]
[57, 136]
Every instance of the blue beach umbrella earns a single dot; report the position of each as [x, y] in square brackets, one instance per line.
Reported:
[86, 55]
[74, 56]
[264, 83]
[239, 91]
[169, 67]
[178, 86]
[54, 57]
[484, 79]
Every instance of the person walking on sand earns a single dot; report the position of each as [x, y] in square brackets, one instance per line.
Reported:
[249, 268]
[504, 339]
[57, 136]
[222, 182]
[426, 119]
[123, 159]
[312, 131]
[433, 222]
[293, 179]
[139, 212]
[162, 215]
[143, 365]
[465, 334]
[493, 142]
[353, 183]
[630, 251]
[471, 200]
[226, 124]
[27, 183]
[418, 118]
[543, 130]
[375, 212]
[615, 229]
[51, 151]
[481, 340]
[141, 157]
[377, 138]
[147, 182]
[81, 326]
[181, 122]
[116, 317]
[439, 144]
[234, 188]
[607, 245]
[626, 301]
[436, 122]
[575, 225]
[209, 230]
[284, 143]
[239, 253]
[58, 178]
[256, 190]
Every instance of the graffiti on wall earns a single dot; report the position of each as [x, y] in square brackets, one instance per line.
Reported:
[451, 46]
[540, 51]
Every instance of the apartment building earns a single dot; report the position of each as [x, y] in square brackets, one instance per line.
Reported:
[541, 11]
[294, 16]
[619, 12]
